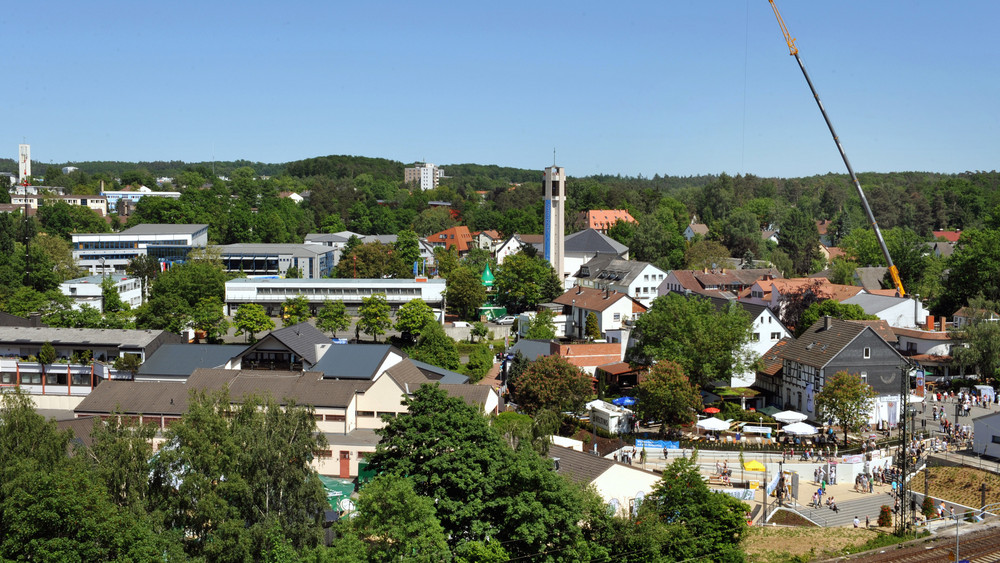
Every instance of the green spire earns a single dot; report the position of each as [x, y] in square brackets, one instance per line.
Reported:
[487, 277]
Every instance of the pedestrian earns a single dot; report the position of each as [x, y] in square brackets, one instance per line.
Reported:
[857, 522]
[871, 485]
[867, 521]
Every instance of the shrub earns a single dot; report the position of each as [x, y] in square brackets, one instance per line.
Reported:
[885, 517]
[927, 508]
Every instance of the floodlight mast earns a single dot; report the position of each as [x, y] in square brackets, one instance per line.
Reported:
[794, 51]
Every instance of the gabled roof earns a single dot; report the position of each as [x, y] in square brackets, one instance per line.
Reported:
[137, 397]
[458, 236]
[353, 361]
[950, 236]
[773, 359]
[871, 277]
[474, 395]
[752, 309]
[303, 339]
[609, 268]
[590, 298]
[179, 360]
[307, 387]
[589, 240]
[441, 375]
[407, 376]
[698, 228]
[821, 287]
[882, 328]
[818, 345]
[874, 304]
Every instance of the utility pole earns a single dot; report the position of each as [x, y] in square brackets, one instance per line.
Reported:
[903, 490]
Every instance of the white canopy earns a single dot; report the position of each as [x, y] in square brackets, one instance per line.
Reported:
[915, 399]
[789, 417]
[800, 429]
[713, 423]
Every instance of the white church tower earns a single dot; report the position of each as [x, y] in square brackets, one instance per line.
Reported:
[24, 162]
[554, 194]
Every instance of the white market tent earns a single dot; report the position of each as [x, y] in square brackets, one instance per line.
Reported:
[800, 429]
[789, 417]
[713, 423]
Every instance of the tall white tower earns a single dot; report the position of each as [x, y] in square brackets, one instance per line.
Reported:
[554, 194]
[24, 162]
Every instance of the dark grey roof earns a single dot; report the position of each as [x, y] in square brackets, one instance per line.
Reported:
[356, 437]
[871, 277]
[818, 345]
[6, 319]
[179, 360]
[610, 268]
[352, 361]
[163, 229]
[136, 397]
[441, 375]
[532, 349]
[579, 467]
[81, 428]
[85, 336]
[590, 240]
[303, 339]
[342, 236]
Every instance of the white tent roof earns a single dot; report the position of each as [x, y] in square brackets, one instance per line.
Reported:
[789, 417]
[713, 423]
[800, 429]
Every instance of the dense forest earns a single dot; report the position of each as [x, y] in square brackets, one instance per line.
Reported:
[240, 201]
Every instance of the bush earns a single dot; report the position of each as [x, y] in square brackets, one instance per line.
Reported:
[885, 516]
[927, 508]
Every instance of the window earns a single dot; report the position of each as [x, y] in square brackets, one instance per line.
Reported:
[617, 317]
[368, 414]
[864, 376]
[335, 418]
[868, 353]
[996, 439]
[775, 336]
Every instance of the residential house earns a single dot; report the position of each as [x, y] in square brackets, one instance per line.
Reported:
[297, 198]
[767, 330]
[832, 345]
[777, 293]
[457, 237]
[901, 312]
[515, 243]
[695, 230]
[950, 236]
[489, 240]
[966, 315]
[583, 246]
[613, 310]
[622, 487]
[588, 356]
[929, 346]
[603, 219]
[641, 280]
[725, 283]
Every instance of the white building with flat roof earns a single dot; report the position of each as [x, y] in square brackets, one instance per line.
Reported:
[87, 291]
[311, 260]
[134, 196]
[111, 252]
[426, 175]
[271, 293]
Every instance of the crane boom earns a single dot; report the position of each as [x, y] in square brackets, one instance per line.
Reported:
[794, 51]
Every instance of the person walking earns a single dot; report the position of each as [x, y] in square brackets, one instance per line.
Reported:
[867, 521]
[857, 523]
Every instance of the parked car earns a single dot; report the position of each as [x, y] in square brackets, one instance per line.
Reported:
[505, 320]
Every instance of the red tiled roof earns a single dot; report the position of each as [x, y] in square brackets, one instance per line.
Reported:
[603, 219]
[458, 237]
[590, 298]
[950, 236]
[921, 334]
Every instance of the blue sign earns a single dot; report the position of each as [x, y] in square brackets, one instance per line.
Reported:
[658, 444]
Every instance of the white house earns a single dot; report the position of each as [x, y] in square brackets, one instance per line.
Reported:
[641, 280]
[766, 332]
[621, 487]
[899, 312]
[515, 243]
[613, 310]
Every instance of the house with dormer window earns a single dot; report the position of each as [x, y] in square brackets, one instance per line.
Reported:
[832, 345]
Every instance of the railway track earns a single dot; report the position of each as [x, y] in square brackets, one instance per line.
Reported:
[978, 547]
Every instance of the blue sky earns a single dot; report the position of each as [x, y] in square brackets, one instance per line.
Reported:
[668, 87]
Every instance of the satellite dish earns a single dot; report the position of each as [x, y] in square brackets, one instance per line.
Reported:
[346, 505]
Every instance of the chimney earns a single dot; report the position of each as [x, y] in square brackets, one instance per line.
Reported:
[827, 322]
[579, 289]
[607, 293]
[930, 323]
[35, 319]
[941, 323]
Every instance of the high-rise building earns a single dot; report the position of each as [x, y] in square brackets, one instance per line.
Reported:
[426, 175]
[24, 162]
[554, 194]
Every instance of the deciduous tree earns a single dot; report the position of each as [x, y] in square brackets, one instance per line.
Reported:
[295, 310]
[373, 315]
[208, 316]
[250, 319]
[436, 348]
[551, 382]
[847, 399]
[465, 292]
[333, 317]
[412, 317]
[542, 327]
[667, 395]
[522, 282]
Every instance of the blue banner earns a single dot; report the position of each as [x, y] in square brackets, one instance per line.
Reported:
[657, 444]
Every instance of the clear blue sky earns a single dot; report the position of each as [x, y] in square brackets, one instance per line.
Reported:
[644, 87]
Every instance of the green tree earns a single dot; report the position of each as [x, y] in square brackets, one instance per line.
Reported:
[706, 254]
[129, 363]
[333, 317]
[293, 273]
[551, 382]
[799, 239]
[691, 521]
[295, 310]
[480, 487]
[373, 315]
[465, 292]
[479, 331]
[412, 317]
[47, 353]
[208, 316]
[446, 260]
[667, 395]
[110, 297]
[982, 339]
[436, 348]
[542, 327]
[834, 309]
[522, 282]
[707, 343]
[25, 434]
[407, 248]
[250, 319]
[480, 362]
[741, 233]
[974, 268]
[120, 451]
[395, 523]
[168, 312]
[591, 330]
[372, 260]
[146, 268]
[847, 399]
[201, 276]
